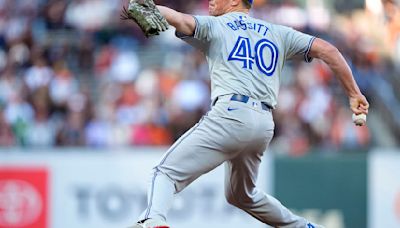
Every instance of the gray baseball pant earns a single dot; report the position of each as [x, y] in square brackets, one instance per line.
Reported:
[233, 132]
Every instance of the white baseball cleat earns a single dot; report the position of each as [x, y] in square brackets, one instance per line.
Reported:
[151, 223]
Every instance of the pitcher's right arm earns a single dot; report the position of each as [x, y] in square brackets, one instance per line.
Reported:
[333, 58]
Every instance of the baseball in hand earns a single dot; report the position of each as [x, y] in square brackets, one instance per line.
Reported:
[359, 120]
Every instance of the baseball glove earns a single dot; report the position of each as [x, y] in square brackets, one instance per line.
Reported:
[146, 15]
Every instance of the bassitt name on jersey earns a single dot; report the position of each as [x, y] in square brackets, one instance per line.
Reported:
[243, 25]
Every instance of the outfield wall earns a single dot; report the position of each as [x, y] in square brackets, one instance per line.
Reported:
[103, 189]
[85, 189]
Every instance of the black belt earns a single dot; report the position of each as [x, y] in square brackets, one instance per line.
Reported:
[245, 99]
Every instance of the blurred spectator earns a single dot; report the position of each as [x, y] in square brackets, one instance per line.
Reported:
[71, 133]
[6, 134]
[84, 14]
[96, 133]
[392, 14]
[39, 75]
[62, 86]
[40, 132]
[124, 67]
[18, 110]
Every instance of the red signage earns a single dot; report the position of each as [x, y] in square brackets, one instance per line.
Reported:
[23, 197]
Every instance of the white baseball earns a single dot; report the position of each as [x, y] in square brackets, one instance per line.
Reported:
[359, 120]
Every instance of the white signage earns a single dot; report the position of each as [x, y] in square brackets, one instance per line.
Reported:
[384, 189]
[92, 189]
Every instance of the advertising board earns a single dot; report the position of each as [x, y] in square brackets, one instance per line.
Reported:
[108, 189]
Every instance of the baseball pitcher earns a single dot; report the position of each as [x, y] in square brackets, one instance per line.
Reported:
[245, 57]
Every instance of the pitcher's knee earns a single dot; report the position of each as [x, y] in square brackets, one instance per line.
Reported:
[159, 170]
[230, 199]
[180, 182]
[164, 170]
[238, 200]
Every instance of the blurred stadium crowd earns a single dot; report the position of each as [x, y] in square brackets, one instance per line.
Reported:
[73, 74]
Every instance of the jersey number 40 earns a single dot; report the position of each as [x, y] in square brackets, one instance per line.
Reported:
[243, 52]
